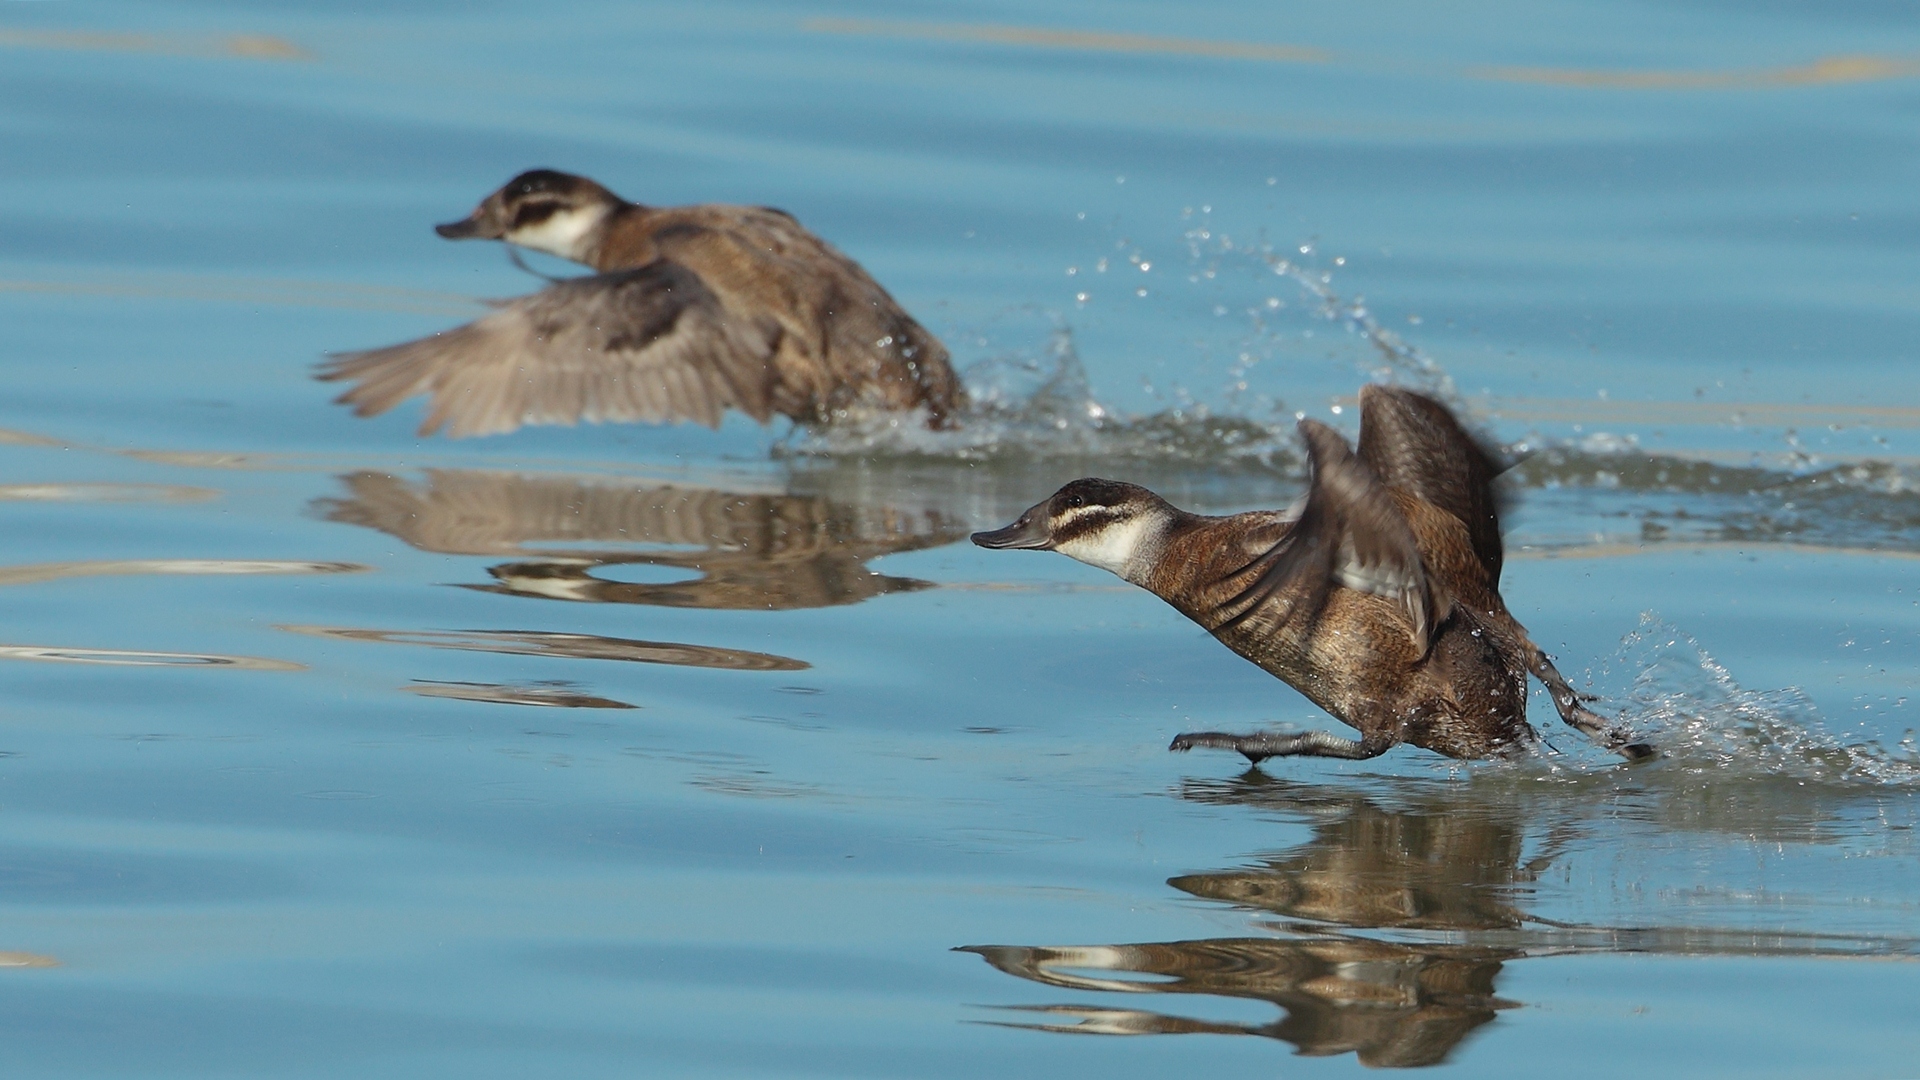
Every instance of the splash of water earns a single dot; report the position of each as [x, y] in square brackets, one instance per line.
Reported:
[1705, 722]
[1396, 360]
[1032, 401]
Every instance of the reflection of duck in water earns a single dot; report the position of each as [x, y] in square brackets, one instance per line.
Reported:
[1448, 865]
[752, 551]
[1378, 596]
[695, 310]
[1387, 1003]
[1442, 864]
[1390, 1002]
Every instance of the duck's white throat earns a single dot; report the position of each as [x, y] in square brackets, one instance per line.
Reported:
[1129, 547]
[566, 233]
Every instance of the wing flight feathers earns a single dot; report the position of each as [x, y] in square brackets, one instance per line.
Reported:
[1351, 532]
[1415, 444]
[652, 344]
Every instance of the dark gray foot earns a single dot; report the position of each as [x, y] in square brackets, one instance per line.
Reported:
[1614, 737]
[1567, 701]
[1260, 746]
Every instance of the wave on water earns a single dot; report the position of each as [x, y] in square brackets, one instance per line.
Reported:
[1033, 403]
[1863, 504]
[1703, 721]
[1031, 396]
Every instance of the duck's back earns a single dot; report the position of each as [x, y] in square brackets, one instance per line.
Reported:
[845, 340]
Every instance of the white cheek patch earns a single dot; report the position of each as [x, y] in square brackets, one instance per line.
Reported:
[1115, 547]
[559, 234]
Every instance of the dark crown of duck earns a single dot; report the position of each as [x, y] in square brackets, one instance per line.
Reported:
[1376, 596]
[695, 310]
[543, 210]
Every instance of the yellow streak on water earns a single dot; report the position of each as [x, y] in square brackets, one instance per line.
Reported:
[27, 960]
[1824, 71]
[245, 46]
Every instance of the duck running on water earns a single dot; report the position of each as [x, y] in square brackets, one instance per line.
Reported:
[1377, 595]
[694, 310]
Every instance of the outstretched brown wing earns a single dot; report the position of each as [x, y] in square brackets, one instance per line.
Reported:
[652, 344]
[1414, 443]
[1350, 533]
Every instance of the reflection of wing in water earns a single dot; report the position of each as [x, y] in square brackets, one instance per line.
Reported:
[1450, 870]
[1390, 1004]
[578, 646]
[752, 551]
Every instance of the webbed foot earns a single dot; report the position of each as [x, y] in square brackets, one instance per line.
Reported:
[1262, 745]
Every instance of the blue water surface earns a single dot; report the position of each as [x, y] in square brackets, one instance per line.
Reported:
[639, 751]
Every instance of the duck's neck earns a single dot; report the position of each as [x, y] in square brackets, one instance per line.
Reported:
[620, 240]
[1205, 563]
[578, 234]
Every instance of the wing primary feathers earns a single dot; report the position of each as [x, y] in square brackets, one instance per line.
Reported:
[648, 344]
[1415, 444]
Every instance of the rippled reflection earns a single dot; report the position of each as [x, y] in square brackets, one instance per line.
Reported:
[1389, 1004]
[578, 646]
[1395, 922]
[34, 573]
[750, 551]
[551, 694]
[167, 493]
[133, 658]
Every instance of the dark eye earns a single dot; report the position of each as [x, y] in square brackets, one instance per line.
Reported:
[1076, 500]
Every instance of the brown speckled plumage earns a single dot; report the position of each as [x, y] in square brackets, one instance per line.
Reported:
[1378, 598]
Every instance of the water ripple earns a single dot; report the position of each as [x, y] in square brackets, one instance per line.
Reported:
[38, 572]
[133, 658]
[550, 694]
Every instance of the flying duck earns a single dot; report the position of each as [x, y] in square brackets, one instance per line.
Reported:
[693, 310]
